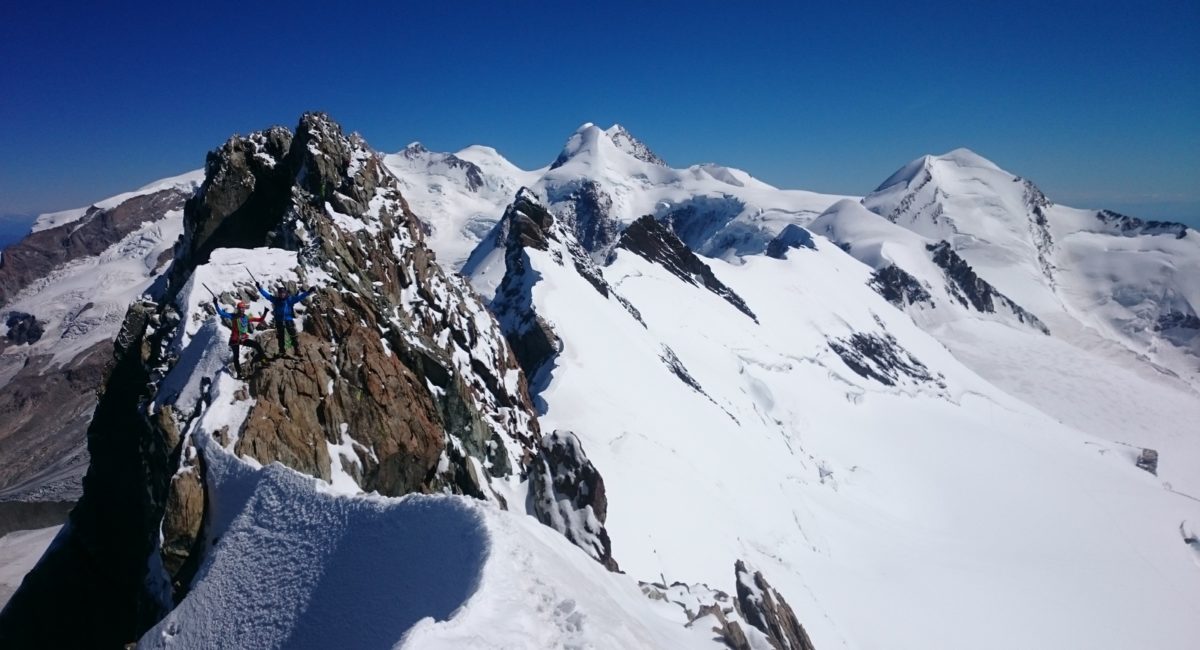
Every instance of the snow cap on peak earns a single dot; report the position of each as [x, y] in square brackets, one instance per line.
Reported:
[590, 139]
[964, 157]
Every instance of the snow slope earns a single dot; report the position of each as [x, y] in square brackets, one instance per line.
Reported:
[19, 551]
[1108, 288]
[458, 196]
[937, 512]
[309, 567]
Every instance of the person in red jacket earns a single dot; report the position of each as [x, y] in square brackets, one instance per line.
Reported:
[239, 333]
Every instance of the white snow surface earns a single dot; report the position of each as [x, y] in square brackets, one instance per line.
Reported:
[84, 301]
[296, 565]
[918, 516]
[20, 550]
[734, 213]
[186, 181]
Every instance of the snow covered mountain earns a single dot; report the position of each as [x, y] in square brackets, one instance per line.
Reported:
[791, 420]
[602, 180]
[63, 292]
[1118, 296]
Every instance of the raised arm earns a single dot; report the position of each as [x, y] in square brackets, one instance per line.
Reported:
[222, 312]
[264, 293]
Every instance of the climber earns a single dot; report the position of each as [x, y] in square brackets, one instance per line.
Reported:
[240, 333]
[283, 304]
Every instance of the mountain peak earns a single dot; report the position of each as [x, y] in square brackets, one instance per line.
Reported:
[590, 139]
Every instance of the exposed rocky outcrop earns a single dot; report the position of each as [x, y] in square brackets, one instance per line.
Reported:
[1148, 460]
[656, 243]
[23, 329]
[792, 236]
[899, 287]
[44, 414]
[1039, 227]
[397, 360]
[972, 291]
[528, 225]
[588, 210]
[1128, 226]
[567, 494]
[632, 146]
[525, 224]
[764, 608]
[1177, 320]
[40, 252]
[881, 357]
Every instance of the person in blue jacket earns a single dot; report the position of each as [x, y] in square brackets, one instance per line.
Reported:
[240, 324]
[283, 306]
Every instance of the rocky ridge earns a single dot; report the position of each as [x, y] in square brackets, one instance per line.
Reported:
[419, 386]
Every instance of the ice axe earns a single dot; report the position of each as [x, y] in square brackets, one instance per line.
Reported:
[256, 283]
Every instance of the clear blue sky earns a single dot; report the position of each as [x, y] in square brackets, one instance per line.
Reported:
[1097, 103]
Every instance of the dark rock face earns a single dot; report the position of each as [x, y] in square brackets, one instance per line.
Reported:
[527, 225]
[589, 212]
[1177, 320]
[792, 236]
[23, 328]
[764, 608]
[44, 415]
[656, 243]
[973, 291]
[568, 495]
[1039, 227]
[880, 357]
[899, 287]
[634, 147]
[1128, 226]
[398, 353]
[1148, 460]
[34, 256]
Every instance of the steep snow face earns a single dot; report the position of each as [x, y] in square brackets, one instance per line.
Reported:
[849, 454]
[458, 197]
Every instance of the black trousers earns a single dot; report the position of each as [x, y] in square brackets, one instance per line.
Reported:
[236, 348]
[283, 329]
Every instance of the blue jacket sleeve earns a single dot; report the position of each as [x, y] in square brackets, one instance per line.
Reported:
[266, 295]
[298, 297]
[222, 312]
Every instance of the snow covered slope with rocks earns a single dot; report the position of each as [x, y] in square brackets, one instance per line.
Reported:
[63, 293]
[896, 428]
[1119, 297]
[602, 180]
[899, 499]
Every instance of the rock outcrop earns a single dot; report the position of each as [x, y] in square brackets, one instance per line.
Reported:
[899, 287]
[764, 608]
[656, 243]
[970, 290]
[567, 494]
[23, 329]
[791, 237]
[398, 364]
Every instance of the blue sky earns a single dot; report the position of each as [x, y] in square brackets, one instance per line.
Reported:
[1097, 103]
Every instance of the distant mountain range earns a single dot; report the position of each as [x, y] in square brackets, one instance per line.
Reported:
[604, 403]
